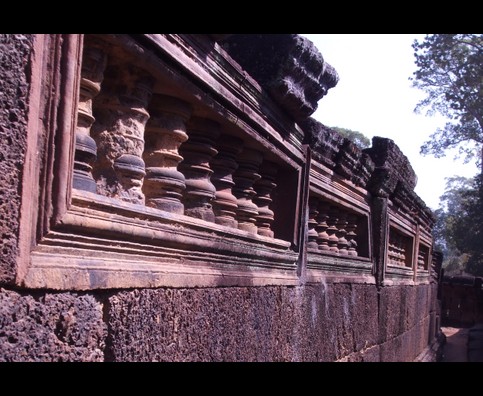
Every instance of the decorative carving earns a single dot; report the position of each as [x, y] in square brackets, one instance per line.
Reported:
[332, 229]
[423, 254]
[295, 74]
[312, 233]
[245, 176]
[322, 226]
[165, 132]
[398, 249]
[122, 115]
[325, 142]
[264, 187]
[223, 165]
[93, 64]
[342, 244]
[391, 167]
[197, 153]
[351, 234]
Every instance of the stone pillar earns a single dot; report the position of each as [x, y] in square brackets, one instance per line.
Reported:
[224, 165]
[165, 132]
[92, 73]
[245, 176]
[380, 227]
[263, 188]
[312, 233]
[197, 153]
[122, 115]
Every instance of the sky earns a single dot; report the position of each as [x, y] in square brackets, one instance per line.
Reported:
[374, 97]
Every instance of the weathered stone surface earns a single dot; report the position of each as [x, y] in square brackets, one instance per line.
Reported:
[315, 323]
[324, 141]
[372, 354]
[410, 202]
[15, 50]
[338, 153]
[226, 324]
[50, 328]
[389, 313]
[288, 66]
[404, 323]
[391, 167]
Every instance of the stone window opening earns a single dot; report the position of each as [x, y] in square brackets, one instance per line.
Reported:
[166, 190]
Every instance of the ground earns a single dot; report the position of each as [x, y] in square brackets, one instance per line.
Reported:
[463, 344]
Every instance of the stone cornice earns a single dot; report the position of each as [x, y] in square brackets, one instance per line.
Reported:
[288, 66]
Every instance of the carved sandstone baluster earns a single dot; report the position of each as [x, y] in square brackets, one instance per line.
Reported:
[322, 226]
[312, 233]
[197, 153]
[391, 250]
[165, 132]
[351, 234]
[421, 260]
[122, 115]
[245, 176]
[342, 243]
[401, 256]
[93, 65]
[332, 230]
[263, 188]
[223, 165]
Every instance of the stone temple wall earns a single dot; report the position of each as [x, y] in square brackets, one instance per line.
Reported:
[169, 198]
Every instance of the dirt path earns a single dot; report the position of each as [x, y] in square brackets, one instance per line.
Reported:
[456, 346]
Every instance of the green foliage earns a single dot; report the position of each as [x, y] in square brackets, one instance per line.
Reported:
[458, 232]
[357, 138]
[450, 72]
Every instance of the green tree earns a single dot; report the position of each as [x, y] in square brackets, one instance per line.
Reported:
[458, 229]
[357, 138]
[450, 71]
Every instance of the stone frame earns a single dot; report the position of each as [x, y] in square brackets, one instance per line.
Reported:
[332, 188]
[72, 240]
[420, 239]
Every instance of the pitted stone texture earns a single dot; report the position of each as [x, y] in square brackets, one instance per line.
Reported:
[244, 324]
[50, 328]
[338, 153]
[408, 201]
[15, 52]
[404, 322]
[390, 315]
[288, 66]
[223, 324]
[391, 167]
[324, 141]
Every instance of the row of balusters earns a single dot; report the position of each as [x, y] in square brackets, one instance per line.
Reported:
[331, 228]
[423, 256]
[399, 250]
[150, 149]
